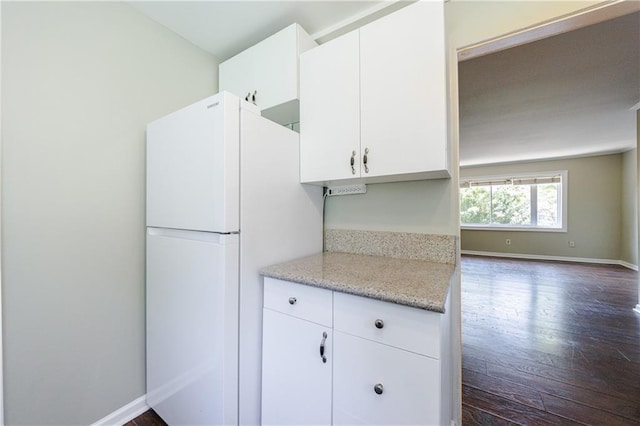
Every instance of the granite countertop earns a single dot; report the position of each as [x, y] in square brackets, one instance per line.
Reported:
[416, 283]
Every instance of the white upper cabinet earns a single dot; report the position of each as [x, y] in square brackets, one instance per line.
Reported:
[403, 91]
[267, 73]
[330, 114]
[389, 101]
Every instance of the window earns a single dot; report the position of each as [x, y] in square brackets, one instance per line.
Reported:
[526, 202]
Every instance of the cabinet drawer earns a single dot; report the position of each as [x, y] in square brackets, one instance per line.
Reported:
[298, 300]
[404, 327]
[376, 384]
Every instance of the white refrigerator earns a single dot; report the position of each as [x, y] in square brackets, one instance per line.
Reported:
[223, 200]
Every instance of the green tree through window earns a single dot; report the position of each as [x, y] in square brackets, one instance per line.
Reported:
[523, 202]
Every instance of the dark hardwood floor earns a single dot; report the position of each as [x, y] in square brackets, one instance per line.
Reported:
[549, 343]
[148, 418]
[544, 343]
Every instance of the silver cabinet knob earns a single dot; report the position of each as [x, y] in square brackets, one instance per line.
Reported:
[379, 323]
[292, 300]
[378, 388]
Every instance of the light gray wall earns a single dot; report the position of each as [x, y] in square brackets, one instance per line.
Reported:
[629, 232]
[79, 82]
[419, 206]
[594, 211]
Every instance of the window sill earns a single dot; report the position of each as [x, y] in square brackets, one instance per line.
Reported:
[510, 228]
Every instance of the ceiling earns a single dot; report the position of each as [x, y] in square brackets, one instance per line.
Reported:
[225, 28]
[564, 96]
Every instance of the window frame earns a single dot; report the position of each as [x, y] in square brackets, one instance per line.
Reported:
[562, 198]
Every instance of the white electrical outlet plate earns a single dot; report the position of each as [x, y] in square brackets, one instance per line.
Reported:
[346, 190]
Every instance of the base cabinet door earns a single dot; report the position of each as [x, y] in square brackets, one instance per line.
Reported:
[296, 378]
[376, 384]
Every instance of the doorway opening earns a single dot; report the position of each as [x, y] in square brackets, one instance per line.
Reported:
[540, 333]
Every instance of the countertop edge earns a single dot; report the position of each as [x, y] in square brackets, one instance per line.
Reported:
[364, 291]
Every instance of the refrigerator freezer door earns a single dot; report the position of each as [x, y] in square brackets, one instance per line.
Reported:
[192, 326]
[193, 167]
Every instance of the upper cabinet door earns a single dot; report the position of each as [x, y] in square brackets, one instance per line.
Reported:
[330, 111]
[403, 91]
[268, 73]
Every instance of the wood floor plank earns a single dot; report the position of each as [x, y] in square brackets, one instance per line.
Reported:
[472, 416]
[511, 411]
[474, 364]
[627, 407]
[583, 413]
[503, 388]
[148, 418]
[563, 331]
[613, 378]
[560, 330]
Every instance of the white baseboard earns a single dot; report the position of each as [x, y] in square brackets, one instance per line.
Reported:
[556, 258]
[629, 265]
[124, 414]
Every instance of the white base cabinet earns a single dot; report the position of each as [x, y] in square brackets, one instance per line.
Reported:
[297, 358]
[381, 363]
[380, 384]
[296, 383]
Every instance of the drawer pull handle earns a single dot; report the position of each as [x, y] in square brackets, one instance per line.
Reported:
[352, 162]
[378, 388]
[365, 160]
[292, 300]
[379, 323]
[324, 338]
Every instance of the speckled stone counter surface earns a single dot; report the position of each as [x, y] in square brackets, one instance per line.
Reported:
[399, 279]
[401, 245]
[409, 282]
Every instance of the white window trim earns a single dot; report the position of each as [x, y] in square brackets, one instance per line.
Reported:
[564, 196]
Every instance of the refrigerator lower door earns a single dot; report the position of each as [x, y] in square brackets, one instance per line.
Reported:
[192, 326]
